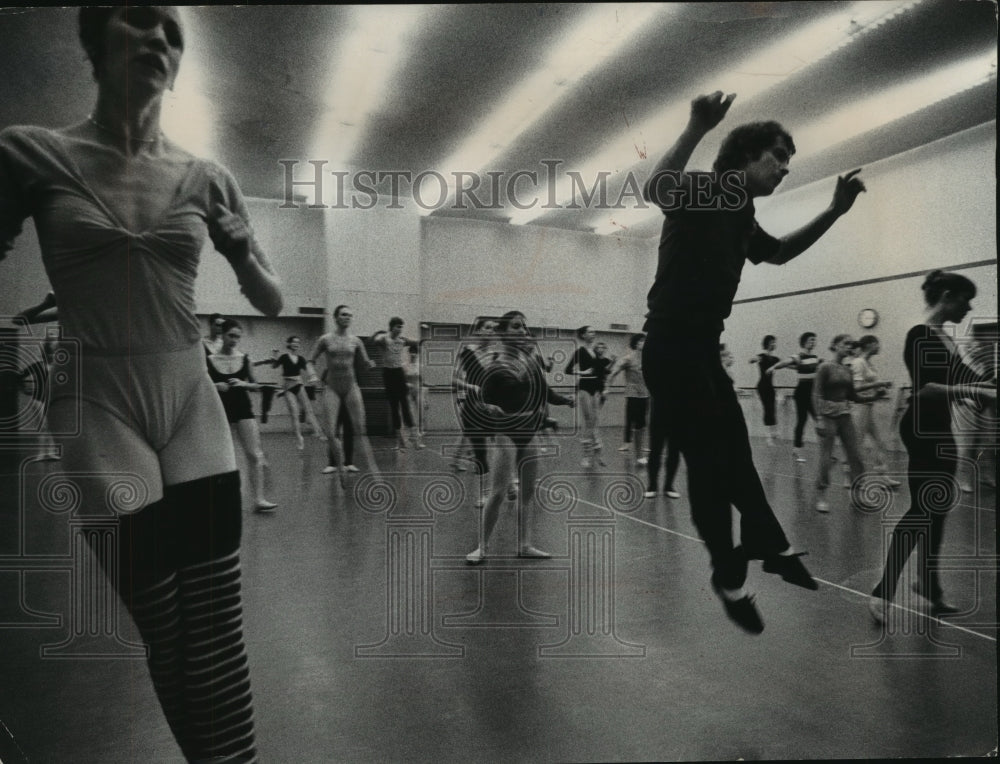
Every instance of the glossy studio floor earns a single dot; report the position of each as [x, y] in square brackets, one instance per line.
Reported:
[370, 639]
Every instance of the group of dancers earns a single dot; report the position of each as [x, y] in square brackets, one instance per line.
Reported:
[122, 213]
[341, 355]
[839, 395]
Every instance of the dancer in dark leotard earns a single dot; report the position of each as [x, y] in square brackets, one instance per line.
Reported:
[584, 365]
[293, 368]
[766, 363]
[512, 404]
[805, 363]
[231, 373]
[939, 377]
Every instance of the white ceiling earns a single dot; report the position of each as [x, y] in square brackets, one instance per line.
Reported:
[501, 88]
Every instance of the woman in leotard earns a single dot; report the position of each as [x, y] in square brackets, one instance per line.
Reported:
[833, 391]
[766, 363]
[122, 213]
[232, 375]
[293, 366]
[514, 395]
[339, 349]
[939, 376]
[583, 365]
[805, 362]
[869, 388]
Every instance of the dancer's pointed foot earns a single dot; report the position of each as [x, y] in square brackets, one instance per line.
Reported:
[791, 569]
[740, 608]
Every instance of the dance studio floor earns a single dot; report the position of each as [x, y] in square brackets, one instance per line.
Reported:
[371, 640]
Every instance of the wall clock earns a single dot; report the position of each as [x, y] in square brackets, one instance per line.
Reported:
[867, 318]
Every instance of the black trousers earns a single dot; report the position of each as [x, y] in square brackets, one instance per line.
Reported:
[766, 393]
[803, 408]
[398, 396]
[705, 421]
[930, 476]
[657, 440]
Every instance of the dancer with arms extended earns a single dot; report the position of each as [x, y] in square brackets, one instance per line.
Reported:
[122, 213]
[702, 252]
[940, 377]
[766, 362]
[293, 366]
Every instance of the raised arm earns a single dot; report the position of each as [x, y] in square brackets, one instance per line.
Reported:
[707, 111]
[794, 244]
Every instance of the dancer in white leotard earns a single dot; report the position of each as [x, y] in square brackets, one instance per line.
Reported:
[122, 214]
[339, 349]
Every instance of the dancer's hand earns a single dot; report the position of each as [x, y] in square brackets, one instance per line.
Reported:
[847, 190]
[229, 234]
[221, 387]
[707, 111]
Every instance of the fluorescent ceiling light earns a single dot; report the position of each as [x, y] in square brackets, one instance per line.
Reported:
[367, 58]
[758, 73]
[894, 103]
[600, 35]
[186, 114]
[859, 118]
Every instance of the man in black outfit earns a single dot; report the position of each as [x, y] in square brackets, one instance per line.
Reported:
[709, 232]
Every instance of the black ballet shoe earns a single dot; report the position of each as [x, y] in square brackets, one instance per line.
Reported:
[791, 569]
[742, 611]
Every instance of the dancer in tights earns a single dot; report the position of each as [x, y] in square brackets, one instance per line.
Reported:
[584, 365]
[512, 405]
[293, 366]
[869, 388]
[833, 391]
[805, 363]
[939, 377]
[701, 256]
[636, 394]
[122, 213]
[345, 434]
[658, 441]
[231, 373]
[341, 350]
[766, 361]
